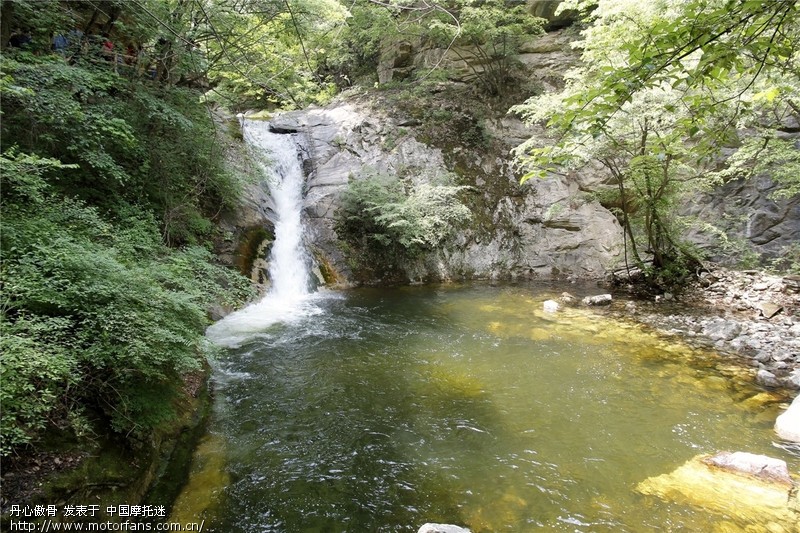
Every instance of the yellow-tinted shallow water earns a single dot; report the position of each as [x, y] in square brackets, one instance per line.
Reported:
[468, 405]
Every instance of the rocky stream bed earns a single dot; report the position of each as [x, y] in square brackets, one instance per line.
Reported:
[748, 315]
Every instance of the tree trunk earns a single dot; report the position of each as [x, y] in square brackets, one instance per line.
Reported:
[166, 46]
[6, 18]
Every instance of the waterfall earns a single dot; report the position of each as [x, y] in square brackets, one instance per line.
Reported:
[288, 267]
[288, 297]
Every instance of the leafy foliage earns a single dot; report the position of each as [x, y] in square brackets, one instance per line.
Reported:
[354, 53]
[385, 222]
[485, 35]
[270, 53]
[95, 310]
[663, 87]
[96, 121]
[766, 153]
[109, 186]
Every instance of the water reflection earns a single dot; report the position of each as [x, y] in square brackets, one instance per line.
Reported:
[469, 405]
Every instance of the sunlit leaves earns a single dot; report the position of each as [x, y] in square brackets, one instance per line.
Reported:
[779, 158]
[271, 52]
[386, 220]
[23, 176]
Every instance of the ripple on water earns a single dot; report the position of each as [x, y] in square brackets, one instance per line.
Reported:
[392, 408]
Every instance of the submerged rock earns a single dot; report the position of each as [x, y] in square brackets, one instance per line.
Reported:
[787, 425]
[566, 298]
[442, 528]
[752, 489]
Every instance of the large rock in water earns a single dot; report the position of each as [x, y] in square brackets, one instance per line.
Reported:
[550, 306]
[759, 466]
[599, 299]
[754, 490]
[787, 425]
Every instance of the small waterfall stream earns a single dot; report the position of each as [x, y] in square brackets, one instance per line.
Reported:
[288, 267]
[289, 297]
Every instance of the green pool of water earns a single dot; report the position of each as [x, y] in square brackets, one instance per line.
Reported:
[385, 409]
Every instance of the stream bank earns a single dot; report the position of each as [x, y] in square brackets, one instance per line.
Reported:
[749, 315]
[108, 472]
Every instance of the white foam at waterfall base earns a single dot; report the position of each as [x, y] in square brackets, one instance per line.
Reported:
[288, 298]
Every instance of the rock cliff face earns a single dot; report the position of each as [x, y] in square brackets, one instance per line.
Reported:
[542, 229]
[544, 58]
[737, 224]
[750, 227]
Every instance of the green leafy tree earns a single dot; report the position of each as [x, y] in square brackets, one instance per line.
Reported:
[485, 35]
[663, 87]
[269, 53]
[355, 47]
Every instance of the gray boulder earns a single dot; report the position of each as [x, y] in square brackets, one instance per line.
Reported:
[767, 378]
[600, 299]
[745, 211]
[547, 9]
[760, 466]
[721, 329]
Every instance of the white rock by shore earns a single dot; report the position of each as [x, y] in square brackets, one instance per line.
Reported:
[442, 528]
[787, 425]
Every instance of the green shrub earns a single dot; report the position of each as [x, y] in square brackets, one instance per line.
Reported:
[120, 141]
[385, 222]
[98, 314]
[36, 368]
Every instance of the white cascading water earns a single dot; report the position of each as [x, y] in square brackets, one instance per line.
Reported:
[288, 297]
[288, 266]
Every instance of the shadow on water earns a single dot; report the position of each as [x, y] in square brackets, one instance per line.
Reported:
[327, 421]
[392, 408]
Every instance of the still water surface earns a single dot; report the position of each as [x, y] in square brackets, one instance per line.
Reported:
[380, 410]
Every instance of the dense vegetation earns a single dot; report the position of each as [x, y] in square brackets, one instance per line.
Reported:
[110, 184]
[386, 222]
